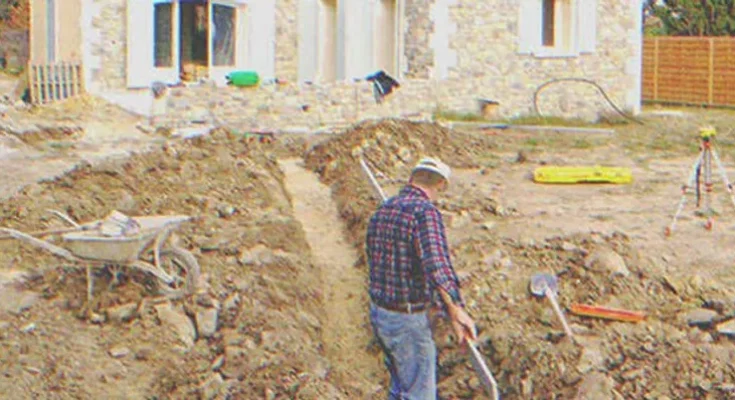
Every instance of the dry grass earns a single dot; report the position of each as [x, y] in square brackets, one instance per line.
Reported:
[669, 132]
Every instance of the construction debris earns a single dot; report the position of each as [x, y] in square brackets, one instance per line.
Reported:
[257, 328]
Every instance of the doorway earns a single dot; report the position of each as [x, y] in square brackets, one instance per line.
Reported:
[194, 33]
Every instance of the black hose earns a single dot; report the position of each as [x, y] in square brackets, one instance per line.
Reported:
[602, 91]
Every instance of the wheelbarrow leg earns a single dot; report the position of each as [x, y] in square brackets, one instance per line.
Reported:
[90, 285]
[115, 271]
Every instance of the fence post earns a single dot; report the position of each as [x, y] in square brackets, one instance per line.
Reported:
[655, 68]
[711, 89]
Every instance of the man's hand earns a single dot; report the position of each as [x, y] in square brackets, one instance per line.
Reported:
[464, 326]
[462, 323]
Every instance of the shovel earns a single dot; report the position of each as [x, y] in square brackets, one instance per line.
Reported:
[547, 285]
[478, 363]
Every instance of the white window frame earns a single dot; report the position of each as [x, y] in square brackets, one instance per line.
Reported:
[166, 74]
[142, 59]
[565, 29]
[580, 27]
[218, 72]
[356, 41]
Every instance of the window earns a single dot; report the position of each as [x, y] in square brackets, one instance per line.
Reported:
[558, 21]
[223, 35]
[557, 28]
[548, 23]
[163, 35]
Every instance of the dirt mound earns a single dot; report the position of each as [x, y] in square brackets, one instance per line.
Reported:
[520, 334]
[525, 343]
[391, 147]
[256, 329]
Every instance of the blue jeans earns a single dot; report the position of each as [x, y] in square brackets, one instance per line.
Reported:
[410, 353]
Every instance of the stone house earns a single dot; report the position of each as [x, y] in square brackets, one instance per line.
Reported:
[313, 55]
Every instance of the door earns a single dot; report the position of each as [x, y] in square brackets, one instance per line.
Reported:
[224, 43]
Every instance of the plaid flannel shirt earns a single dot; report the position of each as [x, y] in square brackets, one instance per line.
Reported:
[408, 254]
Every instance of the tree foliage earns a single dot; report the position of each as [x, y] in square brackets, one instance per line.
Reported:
[692, 17]
[14, 14]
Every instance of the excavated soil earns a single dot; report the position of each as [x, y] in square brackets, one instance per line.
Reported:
[259, 284]
[261, 325]
[389, 147]
[521, 336]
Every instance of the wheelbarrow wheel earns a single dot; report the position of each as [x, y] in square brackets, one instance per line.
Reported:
[183, 267]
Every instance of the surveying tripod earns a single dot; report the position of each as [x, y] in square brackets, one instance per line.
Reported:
[702, 168]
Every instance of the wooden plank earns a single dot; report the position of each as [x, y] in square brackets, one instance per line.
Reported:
[57, 81]
[71, 81]
[62, 82]
[655, 69]
[46, 88]
[74, 80]
[31, 81]
[50, 82]
[79, 78]
[710, 89]
[39, 81]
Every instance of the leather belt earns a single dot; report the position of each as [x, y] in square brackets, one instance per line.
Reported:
[406, 308]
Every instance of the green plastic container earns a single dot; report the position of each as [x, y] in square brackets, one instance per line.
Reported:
[243, 78]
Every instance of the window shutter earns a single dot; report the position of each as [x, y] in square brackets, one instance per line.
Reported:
[308, 39]
[587, 14]
[529, 26]
[140, 43]
[241, 41]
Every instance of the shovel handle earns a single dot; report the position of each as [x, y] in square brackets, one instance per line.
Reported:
[373, 181]
[485, 370]
[559, 314]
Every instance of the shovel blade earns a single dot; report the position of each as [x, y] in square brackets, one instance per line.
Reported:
[540, 282]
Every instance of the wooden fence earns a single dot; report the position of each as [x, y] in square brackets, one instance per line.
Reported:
[53, 82]
[689, 70]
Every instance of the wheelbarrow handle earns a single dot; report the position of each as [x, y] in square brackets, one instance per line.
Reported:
[48, 232]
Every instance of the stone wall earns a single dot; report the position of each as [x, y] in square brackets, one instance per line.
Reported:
[105, 36]
[489, 65]
[295, 107]
[287, 41]
[417, 50]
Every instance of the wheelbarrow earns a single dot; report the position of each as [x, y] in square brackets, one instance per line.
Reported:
[120, 242]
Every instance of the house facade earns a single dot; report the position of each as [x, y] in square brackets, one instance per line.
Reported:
[446, 54]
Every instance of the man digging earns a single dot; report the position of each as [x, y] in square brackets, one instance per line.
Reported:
[409, 262]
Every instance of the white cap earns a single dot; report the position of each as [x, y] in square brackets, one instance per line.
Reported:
[434, 165]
